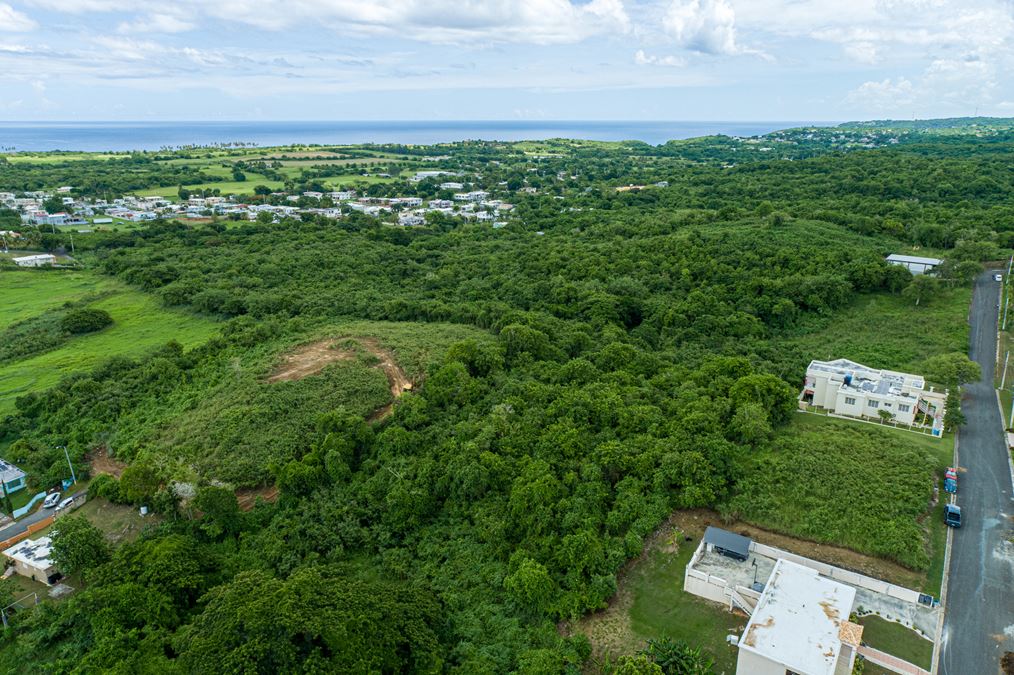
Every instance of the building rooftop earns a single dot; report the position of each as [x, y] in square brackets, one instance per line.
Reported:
[868, 379]
[798, 620]
[34, 552]
[9, 472]
[729, 541]
[898, 257]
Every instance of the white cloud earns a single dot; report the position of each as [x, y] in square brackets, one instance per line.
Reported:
[707, 26]
[11, 20]
[439, 21]
[886, 95]
[863, 52]
[156, 23]
[642, 59]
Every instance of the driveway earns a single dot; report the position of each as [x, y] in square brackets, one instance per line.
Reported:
[979, 620]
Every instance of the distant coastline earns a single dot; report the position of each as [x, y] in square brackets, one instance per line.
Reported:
[123, 136]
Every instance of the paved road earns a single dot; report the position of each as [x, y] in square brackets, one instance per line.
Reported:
[979, 620]
[19, 526]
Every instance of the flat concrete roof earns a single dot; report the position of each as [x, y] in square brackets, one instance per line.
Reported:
[33, 552]
[798, 620]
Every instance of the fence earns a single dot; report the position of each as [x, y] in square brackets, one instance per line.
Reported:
[29, 531]
[839, 574]
[28, 507]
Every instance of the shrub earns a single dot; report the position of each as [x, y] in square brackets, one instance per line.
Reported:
[85, 320]
[106, 486]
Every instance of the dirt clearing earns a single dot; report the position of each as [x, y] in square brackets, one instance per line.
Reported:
[247, 497]
[312, 358]
[101, 463]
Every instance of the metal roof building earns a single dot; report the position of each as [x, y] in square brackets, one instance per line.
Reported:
[727, 543]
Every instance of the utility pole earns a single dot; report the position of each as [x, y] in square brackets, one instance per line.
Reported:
[72, 251]
[1003, 378]
[67, 455]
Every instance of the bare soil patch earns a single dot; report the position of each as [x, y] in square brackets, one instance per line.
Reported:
[101, 462]
[309, 360]
[247, 497]
[314, 357]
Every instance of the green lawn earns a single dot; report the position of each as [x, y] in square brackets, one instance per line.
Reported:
[895, 639]
[662, 608]
[140, 323]
[861, 486]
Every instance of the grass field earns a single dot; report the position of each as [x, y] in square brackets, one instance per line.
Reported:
[140, 324]
[856, 485]
[886, 331]
[895, 639]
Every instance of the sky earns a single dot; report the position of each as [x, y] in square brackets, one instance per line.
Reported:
[730, 60]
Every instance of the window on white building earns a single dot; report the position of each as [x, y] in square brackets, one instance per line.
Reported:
[873, 404]
[903, 408]
[849, 400]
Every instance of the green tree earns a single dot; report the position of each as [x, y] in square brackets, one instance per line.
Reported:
[529, 584]
[78, 545]
[921, 289]
[314, 621]
[953, 416]
[139, 483]
[750, 424]
[221, 510]
[952, 369]
[885, 416]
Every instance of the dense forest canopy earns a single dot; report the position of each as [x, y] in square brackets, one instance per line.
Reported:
[604, 359]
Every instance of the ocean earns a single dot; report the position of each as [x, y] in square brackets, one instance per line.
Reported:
[119, 136]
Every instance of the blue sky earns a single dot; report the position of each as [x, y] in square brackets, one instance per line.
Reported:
[499, 59]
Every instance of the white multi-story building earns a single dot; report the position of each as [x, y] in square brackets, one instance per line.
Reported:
[849, 388]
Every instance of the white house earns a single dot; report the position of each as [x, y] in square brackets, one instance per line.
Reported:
[800, 625]
[914, 264]
[35, 260]
[31, 559]
[849, 388]
[410, 219]
[13, 478]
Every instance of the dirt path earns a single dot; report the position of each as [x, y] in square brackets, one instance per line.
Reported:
[101, 462]
[314, 357]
